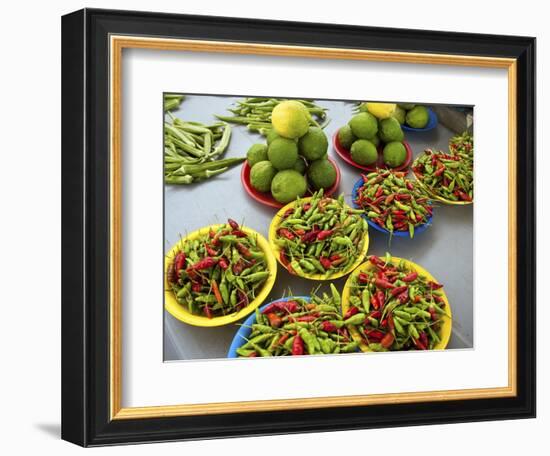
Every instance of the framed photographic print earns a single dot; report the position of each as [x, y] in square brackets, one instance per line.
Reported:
[275, 227]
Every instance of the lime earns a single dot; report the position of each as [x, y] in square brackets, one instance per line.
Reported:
[282, 153]
[290, 119]
[363, 152]
[321, 174]
[390, 130]
[261, 175]
[363, 125]
[394, 154]
[418, 117]
[288, 185]
[313, 144]
[346, 137]
[256, 153]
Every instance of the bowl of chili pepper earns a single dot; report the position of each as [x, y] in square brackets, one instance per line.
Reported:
[447, 177]
[345, 155]
[218, 275]
[392, 204]
[392, 304]
[318, 237]
[266, 197]
[295, 325]
[432, 123]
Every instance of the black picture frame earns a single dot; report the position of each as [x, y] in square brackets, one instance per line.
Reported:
[85, 227]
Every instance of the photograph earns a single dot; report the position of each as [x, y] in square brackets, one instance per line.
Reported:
[315, 227]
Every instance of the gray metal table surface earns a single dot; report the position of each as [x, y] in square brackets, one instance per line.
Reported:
[445, 249]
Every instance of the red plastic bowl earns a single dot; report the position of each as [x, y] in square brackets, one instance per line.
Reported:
[346, 156]
[267, 199]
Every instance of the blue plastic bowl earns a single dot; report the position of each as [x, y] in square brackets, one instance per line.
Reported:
[405, 234]
[432, 123]
[244, 331]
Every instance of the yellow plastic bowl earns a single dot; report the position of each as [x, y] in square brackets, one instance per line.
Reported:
[275, 222]
[440, 198]
[446, 327]
[181, 313]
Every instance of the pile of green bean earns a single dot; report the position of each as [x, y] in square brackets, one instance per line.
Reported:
[218, 273]
[394, 307]
[299, 326]
[255, 113]
[172, 101]
[320, 236]
[192, 149]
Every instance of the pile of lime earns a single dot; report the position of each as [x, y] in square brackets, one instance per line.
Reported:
[294, 158]
[375, 125]
[415, 116]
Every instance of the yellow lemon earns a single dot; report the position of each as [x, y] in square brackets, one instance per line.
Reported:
[381, 110]
[290, 119]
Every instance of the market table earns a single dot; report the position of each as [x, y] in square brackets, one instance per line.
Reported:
[445, 249]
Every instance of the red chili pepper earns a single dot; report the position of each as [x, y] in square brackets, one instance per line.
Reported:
[325, 262]
[409, 185]
[410, 277]
[391, 323]
[297, 346]
[243, 299]
[238, 267]
[307, 206]
[398, 290]
[253, 355]
[464, 196]
[217, 293]
[216, 240]
[286, 233]
[363, 278]
[379, 192]
[375, 314]
[299, 232]
[328, 326]
[403, 297]
[434, 160]
[440, 169]
[438, 299]
[285, 306]
[374, 301]
[384, 284]
[239, 233]
[424, 338]
[402, 196]
[171, 274]
[196, 287]
[283, 339]
[243, 250]
[288, 212]
[210, 250]
[381, 298]
[389, 199]
[179, 261]
[233, 224]
[309, 236]
[307, 318]
[284, 259]
[419, 344]
[207, 311]
[223, 263]
[375, 334]
[335, 257]
[434, 285]
[351, 312]
[211, 233]
[205, 263]
[384, 323]
[387, 340]
[433, 314]
[377, 261]
[321, 235]
[274, 320]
